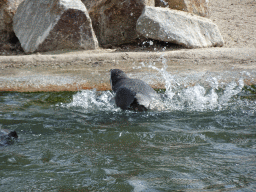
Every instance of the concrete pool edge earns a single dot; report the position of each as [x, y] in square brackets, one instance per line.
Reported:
[78, 70]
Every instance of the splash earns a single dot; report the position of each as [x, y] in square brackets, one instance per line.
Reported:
[200, 98]
[92, 100]
[209, 93]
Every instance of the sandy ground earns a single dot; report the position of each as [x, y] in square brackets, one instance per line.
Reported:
[75, 70]
[236, 20]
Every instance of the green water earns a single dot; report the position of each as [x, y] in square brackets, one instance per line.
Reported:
[79, 141]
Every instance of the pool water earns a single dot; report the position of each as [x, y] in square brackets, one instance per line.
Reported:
[202, 139]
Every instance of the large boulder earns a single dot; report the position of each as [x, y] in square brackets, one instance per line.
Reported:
[199, 7]
[114, 21]
[45, 25]
[7, 10]
[178, 27]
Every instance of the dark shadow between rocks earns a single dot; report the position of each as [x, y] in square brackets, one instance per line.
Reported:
[146, 46]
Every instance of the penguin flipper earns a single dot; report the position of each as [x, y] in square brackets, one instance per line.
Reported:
[124, 97]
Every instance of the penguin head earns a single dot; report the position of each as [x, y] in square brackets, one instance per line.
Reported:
[116, 75]
[13, 134]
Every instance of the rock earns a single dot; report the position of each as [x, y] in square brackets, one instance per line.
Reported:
[7, 10]
[178, 27]
[46, 25]
[92, 4]
[114, 21]
[198, 7]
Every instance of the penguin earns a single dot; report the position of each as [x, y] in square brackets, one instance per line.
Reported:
[131, 94]
[6, 136]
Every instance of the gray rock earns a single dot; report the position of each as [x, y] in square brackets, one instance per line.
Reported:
[178, 27]
[133, 94]
[198, 7]
[114, 21]
[92, 4]
[45, 25]
[7, 10]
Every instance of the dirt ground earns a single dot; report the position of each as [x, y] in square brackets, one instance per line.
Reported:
[74, 70]
[236, 20]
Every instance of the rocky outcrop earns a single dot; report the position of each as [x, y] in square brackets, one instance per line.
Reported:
[178, 27]
[7, 10]
[114, 21]
[45, 25]
[198, 7]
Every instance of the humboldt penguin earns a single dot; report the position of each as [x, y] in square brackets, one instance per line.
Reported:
[6, 136]
[131, 94]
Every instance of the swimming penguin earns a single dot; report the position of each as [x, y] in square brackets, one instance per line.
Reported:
[6, 136]
[131, 94]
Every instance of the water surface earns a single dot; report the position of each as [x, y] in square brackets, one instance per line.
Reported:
[202, 138]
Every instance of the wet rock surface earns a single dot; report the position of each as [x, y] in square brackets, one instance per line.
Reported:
[198, 7]
[114, 21]
[178, 27]
[51, 25]
[91, 69]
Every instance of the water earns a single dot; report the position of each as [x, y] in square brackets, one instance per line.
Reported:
[202, 138]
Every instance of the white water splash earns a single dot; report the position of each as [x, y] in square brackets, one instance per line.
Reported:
[231, 90]
[91, 100]
[195, 98]
[139, 185]
[208, 94]
[199, 97]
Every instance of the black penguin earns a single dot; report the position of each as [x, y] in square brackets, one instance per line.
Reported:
[133, 94]
[6, 136]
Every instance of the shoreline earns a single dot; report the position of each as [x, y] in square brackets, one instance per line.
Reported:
[77, 70]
